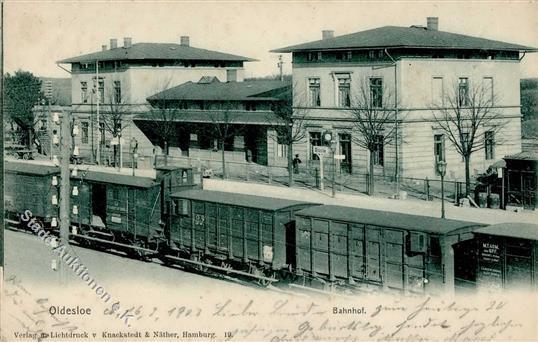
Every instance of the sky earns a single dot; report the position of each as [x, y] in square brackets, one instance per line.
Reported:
[37, 34]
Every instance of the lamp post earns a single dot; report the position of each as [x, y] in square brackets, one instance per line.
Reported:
[333, 150]
[441, 168]
[134, 152]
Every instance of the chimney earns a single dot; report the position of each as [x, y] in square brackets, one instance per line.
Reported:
[103, 47]
[326, 34]
[127, 42]
[433, 23]
[113, 43]
[184, 41]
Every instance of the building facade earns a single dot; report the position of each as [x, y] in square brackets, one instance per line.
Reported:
[411, 72]
[110, 87]
[206, 113]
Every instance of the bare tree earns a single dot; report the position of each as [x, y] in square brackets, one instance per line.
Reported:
[373, 113]
[163, 115]
[289, 126]
[465, 112]
[115, 120]
[224, 126]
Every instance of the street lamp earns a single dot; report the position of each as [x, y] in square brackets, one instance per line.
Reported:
[333, 150]
[441, 168]
[134, 152]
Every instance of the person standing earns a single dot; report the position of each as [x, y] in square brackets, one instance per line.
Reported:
[296, 162]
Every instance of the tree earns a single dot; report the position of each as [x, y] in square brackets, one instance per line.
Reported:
[289, 126]
[22, 93]
[224, 126]
[465, 112]
[373, 113]
[163, 116]
[114, 121]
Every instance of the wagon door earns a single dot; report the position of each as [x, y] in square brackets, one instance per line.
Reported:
[357, 257]
[394, 259]
[373, 253]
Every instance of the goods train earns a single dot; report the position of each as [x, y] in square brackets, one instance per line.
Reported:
[165, 214]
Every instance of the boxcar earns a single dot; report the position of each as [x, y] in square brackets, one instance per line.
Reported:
[125, 208]
[507, 256]
[410, 253]
[28, 186]
[244, 232]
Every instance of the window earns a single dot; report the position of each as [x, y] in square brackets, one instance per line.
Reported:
[84, 129]
[313, 92]
[181, 207]
[315, 140]
[439, 147]
[437, 90]
[281, 150]
[371, 54]
[489, 144]
[463, 91]
[344, 55]
[117, 91]
[101, 90]
[488, 89]
[376, 92]
[231, 75]
[378, 152]
[281, 147]
[250, 106]
[115, 194]
[344, 99]
[314, 56]
[84, 92]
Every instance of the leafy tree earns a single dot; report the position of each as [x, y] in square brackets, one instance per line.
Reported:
[22, 93]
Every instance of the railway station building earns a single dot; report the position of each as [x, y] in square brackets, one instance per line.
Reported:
[417, 67]
[205, 113]
[109, 87]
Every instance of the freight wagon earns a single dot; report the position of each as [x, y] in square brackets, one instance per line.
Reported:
[126, 209]
[28, 186]
[507, 256]
[113, 207]
[338, 245]
[237, 233]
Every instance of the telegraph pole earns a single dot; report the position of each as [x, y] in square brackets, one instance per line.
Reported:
[65, 187]
[280, 65]
[98, 97]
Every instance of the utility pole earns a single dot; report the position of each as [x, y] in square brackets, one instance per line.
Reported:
[1, 133]
[280, 65]
[98, 101]
[65, 186]
[63, 160]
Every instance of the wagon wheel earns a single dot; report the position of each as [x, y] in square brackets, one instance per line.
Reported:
[260, 273]
[136, 252]
[264, 282]
[226, 266]
[26, 156]
[203, 268]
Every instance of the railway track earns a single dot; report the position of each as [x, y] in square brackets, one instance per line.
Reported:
[151, 256]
